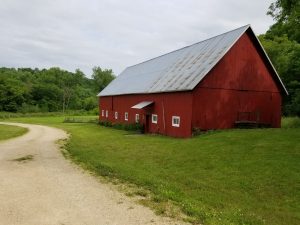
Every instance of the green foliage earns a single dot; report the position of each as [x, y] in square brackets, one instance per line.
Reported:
[89, 103]
[121, 126]
[29, 90]
[295, 103]
[13, 92]
[102, 77]
[286, 13]
[290, 122]
[105, 123]
[282, 53]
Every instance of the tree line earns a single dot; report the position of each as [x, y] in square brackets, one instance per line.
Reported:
[50, 90]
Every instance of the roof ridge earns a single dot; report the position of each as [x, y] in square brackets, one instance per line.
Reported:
[248, 25]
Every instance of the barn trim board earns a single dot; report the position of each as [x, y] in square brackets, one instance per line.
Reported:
[212, 84]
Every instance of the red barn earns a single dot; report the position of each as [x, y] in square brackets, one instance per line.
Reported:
[214, 84]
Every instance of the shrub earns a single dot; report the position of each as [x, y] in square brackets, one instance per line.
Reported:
[105, 123]
[290, 122]
[120, 126]
[197, 131]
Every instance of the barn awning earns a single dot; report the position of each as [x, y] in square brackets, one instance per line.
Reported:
[142, 105]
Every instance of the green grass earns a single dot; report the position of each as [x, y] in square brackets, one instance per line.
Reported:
[291, 122]
[8, 131]
[223, 177]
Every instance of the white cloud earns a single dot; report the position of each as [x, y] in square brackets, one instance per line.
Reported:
[113, 33]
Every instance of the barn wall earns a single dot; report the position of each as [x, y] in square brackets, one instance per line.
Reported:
[165, 106]
[240, 82]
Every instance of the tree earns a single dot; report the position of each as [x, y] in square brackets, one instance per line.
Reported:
[66, 81]
[286, 13]
[46, 96]
[12, 94]
[102, 77]
[285, 55]
[295, 103]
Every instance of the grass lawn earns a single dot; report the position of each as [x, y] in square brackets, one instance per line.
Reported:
[222, 177]
[7, 131]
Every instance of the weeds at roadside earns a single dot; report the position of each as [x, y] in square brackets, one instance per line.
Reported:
[24, 159]
[62, 143]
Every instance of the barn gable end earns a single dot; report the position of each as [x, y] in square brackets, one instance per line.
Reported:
[243, 68]
[240, 87]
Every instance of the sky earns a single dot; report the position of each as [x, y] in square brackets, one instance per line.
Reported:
[114, 34]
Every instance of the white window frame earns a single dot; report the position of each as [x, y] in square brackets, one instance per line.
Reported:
[106, 114]
[154, 120]
[173, 121]
[126, 116]
[137, 118]
[116, 115]
[102, 113]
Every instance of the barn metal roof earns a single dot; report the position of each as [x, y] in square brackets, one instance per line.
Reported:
[180, 70]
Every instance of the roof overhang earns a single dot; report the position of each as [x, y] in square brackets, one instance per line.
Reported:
[142, 105]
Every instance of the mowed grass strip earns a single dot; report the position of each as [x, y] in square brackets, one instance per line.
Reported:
[8, 131]
[222, 177]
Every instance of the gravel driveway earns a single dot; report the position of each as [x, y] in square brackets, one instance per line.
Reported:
[39, 187]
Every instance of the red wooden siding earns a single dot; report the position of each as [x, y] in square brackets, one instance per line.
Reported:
[240, 82]
[165, 106]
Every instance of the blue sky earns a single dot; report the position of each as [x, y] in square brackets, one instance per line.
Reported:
[114, 33]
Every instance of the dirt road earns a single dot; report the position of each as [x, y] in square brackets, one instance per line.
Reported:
[39, 187]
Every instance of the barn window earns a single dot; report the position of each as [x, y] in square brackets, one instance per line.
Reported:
[102, 112]
[175, 121]
[154, 118]
[116, 115]
[106, 113]
[137, 118]
[126, 116]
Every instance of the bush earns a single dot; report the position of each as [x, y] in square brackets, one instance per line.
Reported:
[26, 108]
[105, 123]
[94, 111]
[197, 131]
[290, 122]
[120, 126]
[295, 106]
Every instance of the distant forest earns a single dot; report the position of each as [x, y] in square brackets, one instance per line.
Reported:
[50, 90]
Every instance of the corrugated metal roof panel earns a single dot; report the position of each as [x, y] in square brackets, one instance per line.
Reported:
[179, 70]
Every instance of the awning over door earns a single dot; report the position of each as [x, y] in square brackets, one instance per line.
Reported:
[142, 104]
